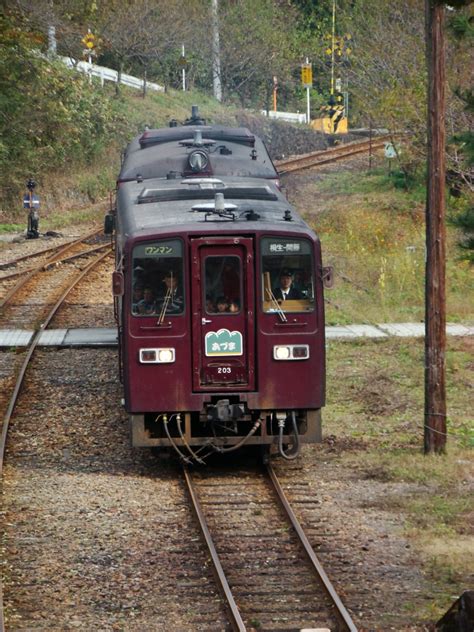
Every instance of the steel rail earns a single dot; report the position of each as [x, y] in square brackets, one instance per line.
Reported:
[38, 253]
[314, 159]
[341, 611]
[32, 255]
[34, 270]
[19, 383]
[224, 588]
[46, 266]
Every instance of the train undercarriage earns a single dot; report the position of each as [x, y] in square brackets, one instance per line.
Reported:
[225, 427]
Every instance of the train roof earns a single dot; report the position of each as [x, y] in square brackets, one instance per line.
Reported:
[165, 152]
[190, 204]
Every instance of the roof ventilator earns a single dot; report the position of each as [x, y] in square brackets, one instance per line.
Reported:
[204, 183]
[287, 216]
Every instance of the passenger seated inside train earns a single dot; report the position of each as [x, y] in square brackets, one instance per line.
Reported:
[234, 307]
[221, 305]
[147, 304]
[137, 296]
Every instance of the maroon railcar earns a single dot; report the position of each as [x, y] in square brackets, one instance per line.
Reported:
[212, 355]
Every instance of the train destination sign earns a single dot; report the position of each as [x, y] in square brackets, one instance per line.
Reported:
[289, 247]
[223, 343]
[171, 248]
[277, 246]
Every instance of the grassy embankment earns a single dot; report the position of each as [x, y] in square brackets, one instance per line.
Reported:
[70, 195]
[374, 235]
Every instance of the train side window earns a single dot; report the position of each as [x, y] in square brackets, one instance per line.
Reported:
[222, 288]
[157, 278]
[287, 278]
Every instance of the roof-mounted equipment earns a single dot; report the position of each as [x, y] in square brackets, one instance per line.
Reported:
[204, 189]
[218, 207]
[198, 160]
[195, 117]
[251, 215]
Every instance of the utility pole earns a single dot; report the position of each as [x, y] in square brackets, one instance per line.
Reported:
[435, 283]
[216, 56]
[333, 43]
[183, 69]
[52, 44]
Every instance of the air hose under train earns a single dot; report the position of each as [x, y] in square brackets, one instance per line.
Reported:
[293, 452]
[216, 448]
[238, 445]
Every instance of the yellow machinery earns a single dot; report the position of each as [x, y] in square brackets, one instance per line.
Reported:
[333, 119]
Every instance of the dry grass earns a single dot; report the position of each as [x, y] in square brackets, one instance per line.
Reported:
[375, 410]
[374, 235]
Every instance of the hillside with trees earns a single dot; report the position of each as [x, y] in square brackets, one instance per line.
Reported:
[54, 119]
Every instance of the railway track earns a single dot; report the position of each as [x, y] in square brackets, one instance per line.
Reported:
[25, 299]
[59, 291]
[268, 574]
[341, 152]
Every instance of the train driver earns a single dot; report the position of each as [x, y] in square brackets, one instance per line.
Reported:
[286, 290]
[171, 295]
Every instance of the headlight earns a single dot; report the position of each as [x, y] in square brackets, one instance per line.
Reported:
[198, 160]
[281, 353]
[291, 352]
[157, 356]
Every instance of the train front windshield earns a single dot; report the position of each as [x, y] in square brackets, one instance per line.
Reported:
[288, 277]
[157, 279]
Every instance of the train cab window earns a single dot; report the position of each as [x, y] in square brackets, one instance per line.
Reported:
[287, 278]
[223, 285]
[157, 278]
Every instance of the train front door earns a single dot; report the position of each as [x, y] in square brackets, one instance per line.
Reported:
[223, 314]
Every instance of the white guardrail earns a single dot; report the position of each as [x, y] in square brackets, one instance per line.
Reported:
[107, 74]
[292, 117]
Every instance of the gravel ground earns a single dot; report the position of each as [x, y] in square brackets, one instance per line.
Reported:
[100, 536]
[90, 303]
[16, 245]
[93, 530]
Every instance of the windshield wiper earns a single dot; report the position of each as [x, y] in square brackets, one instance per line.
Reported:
[276, 306]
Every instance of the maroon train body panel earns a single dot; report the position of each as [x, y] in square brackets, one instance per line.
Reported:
[220, 308]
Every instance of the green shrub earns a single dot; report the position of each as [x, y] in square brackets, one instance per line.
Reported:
[52, 117]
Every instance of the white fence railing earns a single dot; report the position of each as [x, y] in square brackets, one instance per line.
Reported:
[107, 74]
[292, 117]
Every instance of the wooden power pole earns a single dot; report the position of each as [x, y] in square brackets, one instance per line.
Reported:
[435, 283]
